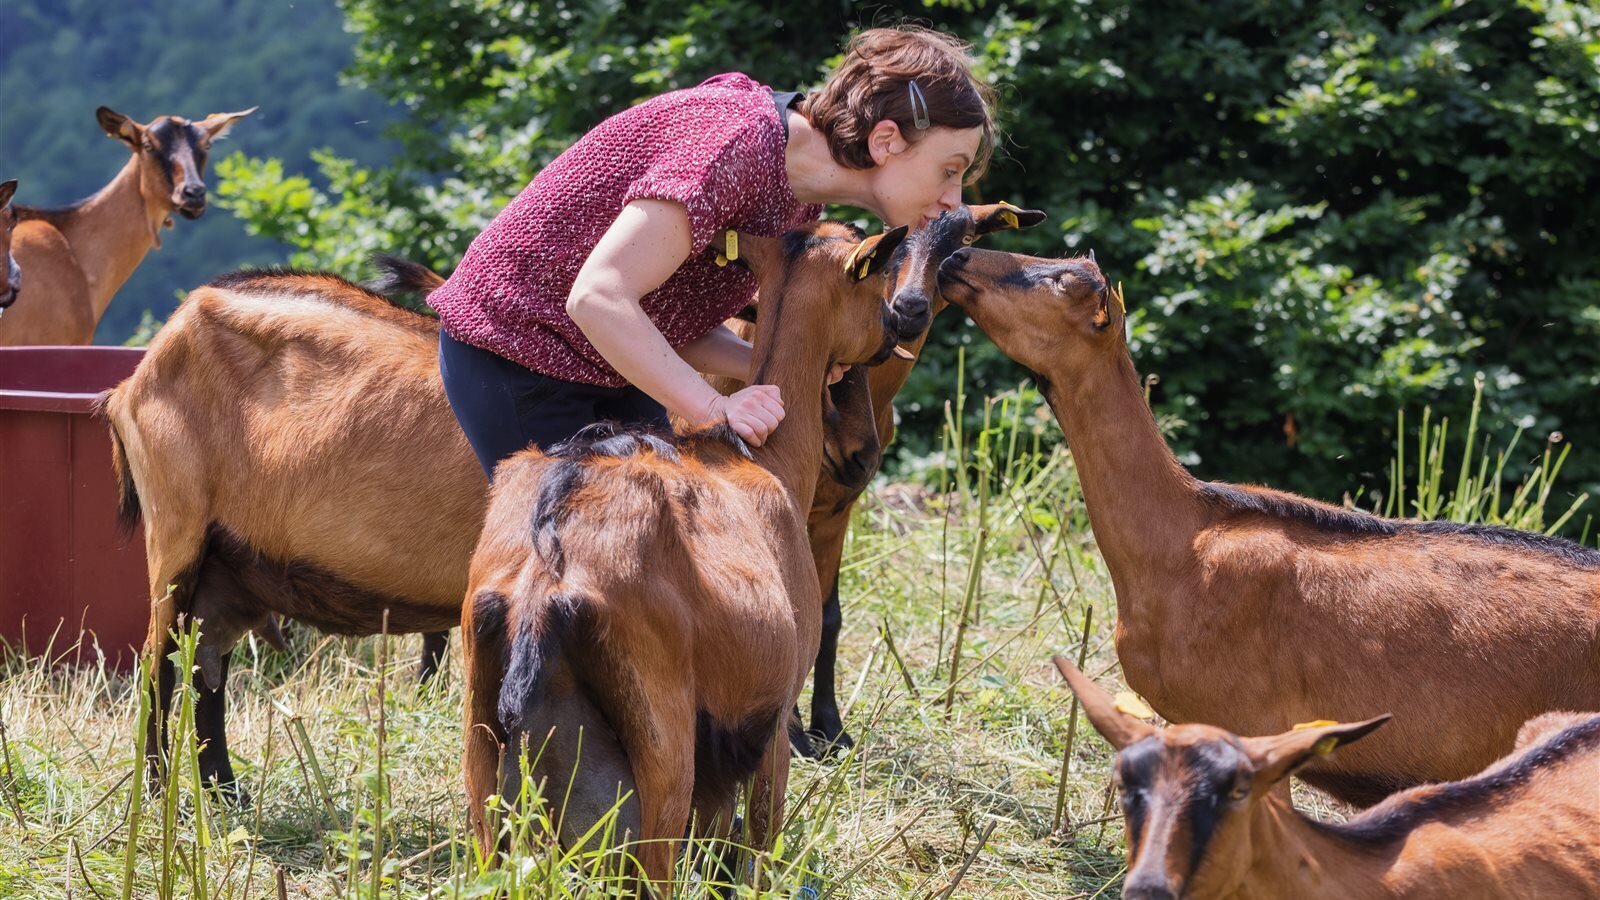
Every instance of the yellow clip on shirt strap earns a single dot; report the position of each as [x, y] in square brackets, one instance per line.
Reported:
[730, 241]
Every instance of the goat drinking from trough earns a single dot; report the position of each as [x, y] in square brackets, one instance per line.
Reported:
[668, 584]
[856, 431]
[1203, 820]
[1253, 609]
[77, 257]
[10, 272]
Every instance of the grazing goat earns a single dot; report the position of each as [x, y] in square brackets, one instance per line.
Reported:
[855, 432]
[287, 442]
[1253, 609]
[666, 585]
[1204, 822]
[79, 256]
[10, 273]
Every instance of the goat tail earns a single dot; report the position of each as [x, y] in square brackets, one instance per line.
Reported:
[402, 276]
[534, 651]
[127, 491]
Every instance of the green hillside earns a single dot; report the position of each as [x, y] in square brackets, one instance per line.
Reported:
[60, 59]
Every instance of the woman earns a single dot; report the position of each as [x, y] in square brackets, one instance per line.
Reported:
[589, 297]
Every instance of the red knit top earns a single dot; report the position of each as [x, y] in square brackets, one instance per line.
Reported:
[717, 148]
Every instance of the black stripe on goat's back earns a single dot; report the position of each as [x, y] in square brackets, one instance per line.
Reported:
[1340, 521]
[1287, 506]
[325, 286]
[1515, 539]
[569, 468]
[1397, 817]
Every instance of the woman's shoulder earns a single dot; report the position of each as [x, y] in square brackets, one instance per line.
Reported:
[732, 97]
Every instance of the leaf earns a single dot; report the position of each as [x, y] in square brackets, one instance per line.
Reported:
[1129, 703]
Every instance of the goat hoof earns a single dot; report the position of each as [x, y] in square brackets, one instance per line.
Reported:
[800, 740]
[830, 745]
[231, 795]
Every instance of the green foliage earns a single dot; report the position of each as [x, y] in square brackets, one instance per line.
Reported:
[59, 59]
[1322, 211]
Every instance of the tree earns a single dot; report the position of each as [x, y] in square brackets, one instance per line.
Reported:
[1321, 211]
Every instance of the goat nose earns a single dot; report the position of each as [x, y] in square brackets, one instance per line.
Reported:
[910, 314]
[1147, 889]
[194, 192]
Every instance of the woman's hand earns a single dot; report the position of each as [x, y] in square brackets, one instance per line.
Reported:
[752, 413]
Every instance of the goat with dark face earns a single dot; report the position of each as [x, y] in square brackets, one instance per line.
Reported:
[78, 257]
[859, 424]
[1204, 820]
[10, 273]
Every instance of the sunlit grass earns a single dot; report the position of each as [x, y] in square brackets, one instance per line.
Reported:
[956, 592]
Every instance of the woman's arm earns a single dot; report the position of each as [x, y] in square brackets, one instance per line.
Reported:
[721, 352]
[648, 241]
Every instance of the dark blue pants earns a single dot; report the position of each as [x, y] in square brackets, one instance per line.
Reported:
[504, 408]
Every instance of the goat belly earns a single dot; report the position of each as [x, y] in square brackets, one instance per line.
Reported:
[311, 594]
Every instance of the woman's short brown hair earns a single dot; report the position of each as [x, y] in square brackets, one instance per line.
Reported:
[874, 83]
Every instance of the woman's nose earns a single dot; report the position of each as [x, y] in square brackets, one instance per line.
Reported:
[951, 198]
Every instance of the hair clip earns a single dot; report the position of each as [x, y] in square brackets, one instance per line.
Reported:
[919, 107]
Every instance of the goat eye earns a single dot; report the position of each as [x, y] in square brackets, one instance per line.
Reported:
[966, 239]
[1239, 793]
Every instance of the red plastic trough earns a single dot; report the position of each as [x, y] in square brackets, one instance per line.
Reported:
[64, 566]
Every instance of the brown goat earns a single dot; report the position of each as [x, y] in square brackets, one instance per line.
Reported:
[1203, 820]
[287, 442]
[256, 362]
[79, 256]
[10, 273]
[857, 428]
[667, 582]
[1253, 609]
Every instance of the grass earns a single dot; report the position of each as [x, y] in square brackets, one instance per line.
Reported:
[966, 780]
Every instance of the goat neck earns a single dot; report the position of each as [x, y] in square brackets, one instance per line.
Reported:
[1292, 858]
[111, 232]
[799, 368]
[1143, 506]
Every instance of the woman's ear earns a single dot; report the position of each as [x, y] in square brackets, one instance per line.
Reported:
[884, 141]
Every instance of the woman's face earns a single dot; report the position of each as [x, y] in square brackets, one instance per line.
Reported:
[914, 183]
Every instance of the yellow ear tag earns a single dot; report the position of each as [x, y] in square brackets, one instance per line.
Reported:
[850, 261]
[1120, 301]
[865, 264]
[1326, 745]
[1129, 703]
[1320, 723]
[1010, 218]
[733, 244]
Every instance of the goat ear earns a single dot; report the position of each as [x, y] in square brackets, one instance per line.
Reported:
[216, 125]
[871, 255]
[120, 127]
[994, 217]
[7, 191]
[1113, 724]
[1276, 757]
